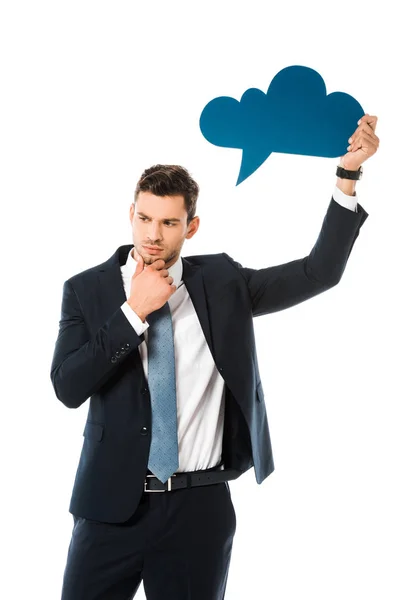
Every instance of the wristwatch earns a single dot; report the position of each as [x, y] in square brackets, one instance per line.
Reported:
[346, 174]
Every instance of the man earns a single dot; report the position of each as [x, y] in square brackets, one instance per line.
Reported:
[164, 348]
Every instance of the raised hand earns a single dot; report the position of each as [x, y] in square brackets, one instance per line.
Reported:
[151, 287]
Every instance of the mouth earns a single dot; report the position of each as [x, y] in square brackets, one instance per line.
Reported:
[152, 249]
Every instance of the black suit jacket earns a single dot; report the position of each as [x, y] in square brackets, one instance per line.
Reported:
[96, 356]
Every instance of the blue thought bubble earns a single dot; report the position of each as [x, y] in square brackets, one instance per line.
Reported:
[295, 116]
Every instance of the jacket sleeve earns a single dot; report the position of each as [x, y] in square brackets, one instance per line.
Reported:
[82, 363]
[275, 288]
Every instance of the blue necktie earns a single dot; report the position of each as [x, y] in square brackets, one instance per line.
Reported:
[163, 458]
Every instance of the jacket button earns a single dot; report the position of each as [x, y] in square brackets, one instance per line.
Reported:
[113, 359]
[143, 431]
[122, 350]
[127, 345]
[117, 353]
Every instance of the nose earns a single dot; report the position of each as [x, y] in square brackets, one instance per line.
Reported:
[154, 232]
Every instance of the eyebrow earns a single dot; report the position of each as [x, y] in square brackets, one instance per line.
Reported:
[147, 217]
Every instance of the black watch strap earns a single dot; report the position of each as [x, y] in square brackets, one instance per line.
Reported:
[346, 174]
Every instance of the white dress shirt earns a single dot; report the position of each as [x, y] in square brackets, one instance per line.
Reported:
[200, 394]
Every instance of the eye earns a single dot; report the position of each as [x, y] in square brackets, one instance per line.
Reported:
[169, 223]
[143, 218]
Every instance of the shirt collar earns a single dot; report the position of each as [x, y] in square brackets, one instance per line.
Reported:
[175, 270]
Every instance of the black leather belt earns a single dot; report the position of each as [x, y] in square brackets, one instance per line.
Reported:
[190, 479]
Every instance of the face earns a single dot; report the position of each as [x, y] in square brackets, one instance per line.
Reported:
[159, 227]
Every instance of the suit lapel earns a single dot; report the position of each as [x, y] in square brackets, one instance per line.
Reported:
[110, 279]
[194, 281]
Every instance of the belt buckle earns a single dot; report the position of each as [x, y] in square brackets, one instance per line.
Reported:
[168, 481]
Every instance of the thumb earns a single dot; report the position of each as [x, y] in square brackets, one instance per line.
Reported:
[139, 266]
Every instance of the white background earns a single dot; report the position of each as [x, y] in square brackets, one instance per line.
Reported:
[92, 94]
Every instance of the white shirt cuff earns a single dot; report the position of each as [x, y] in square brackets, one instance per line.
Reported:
[134, 319]
[343, 199]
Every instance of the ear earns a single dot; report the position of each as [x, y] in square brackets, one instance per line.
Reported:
[131, 211]
[193, 227]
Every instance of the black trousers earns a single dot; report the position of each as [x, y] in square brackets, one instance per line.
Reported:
[179, 543]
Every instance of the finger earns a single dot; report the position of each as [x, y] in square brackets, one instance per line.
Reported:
[370, 120]
[170, 279]
[363, 127]
[158, 264]
[364, 136]
[371, 140]
[367, 128]
[358, 142]
[139, 265]
[365, 141]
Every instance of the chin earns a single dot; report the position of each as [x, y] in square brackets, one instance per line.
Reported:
[148, 259]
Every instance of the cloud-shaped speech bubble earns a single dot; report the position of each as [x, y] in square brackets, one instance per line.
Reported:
[295, 116]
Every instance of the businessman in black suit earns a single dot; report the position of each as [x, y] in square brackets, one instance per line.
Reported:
[164, 348]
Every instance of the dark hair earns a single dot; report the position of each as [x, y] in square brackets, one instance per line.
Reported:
[170, 180]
